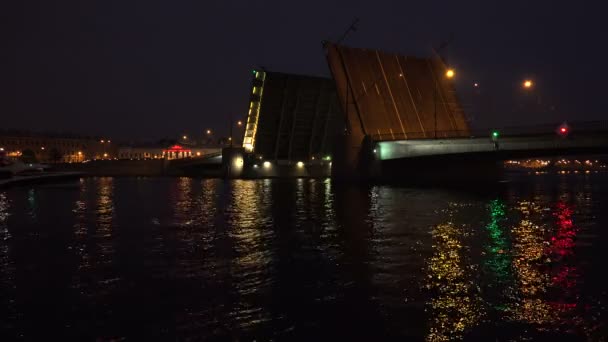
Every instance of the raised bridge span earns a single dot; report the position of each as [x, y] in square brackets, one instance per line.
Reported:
[403, 119]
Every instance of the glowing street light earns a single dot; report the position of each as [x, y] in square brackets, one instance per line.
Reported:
[266, 164]
[240, 123]
[208, 131]
[42, 148]
[102, 141]
[300, 164]
[185, 137]
[528, 84]
[450, 73]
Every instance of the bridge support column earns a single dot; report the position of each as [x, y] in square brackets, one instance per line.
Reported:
[353, 158]
[232, 162]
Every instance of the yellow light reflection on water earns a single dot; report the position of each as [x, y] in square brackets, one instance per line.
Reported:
[454, 307]
[528, 258]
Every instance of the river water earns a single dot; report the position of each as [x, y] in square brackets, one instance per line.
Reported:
[208, 259]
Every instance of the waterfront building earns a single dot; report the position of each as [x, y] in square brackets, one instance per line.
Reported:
[55, 148]
[157, 151]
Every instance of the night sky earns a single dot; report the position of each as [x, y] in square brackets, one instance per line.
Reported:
[159, 68]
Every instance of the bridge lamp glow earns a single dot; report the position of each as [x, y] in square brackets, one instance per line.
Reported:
[255, 166]
[300, 164]
[528, 84]
[450, 73]
[267, 164]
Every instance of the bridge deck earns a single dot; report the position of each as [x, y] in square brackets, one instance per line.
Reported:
[505, 147]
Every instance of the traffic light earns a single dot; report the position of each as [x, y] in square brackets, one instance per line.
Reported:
[494, 135]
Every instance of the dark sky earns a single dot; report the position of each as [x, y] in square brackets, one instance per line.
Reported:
[154, 68]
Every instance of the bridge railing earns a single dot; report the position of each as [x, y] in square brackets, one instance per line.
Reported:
[574, 128]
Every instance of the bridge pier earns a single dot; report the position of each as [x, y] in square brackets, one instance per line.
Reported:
[233, 160]
[354, 159]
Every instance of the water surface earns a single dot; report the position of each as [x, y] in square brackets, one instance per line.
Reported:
[205, 259]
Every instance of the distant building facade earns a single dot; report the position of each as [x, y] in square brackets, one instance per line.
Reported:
[291, 117]
[55, 148]
[175, 151]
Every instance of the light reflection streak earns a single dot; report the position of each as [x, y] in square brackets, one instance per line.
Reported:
[33, 207]
[499, 260]
[105, 214]
[565, 276]
[546, 293]
[455, 306]
[7, 265]
[528, 263]
[80, 227]
[252, 236]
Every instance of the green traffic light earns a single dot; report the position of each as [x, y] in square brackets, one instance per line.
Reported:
[495, 134]
[254, 72]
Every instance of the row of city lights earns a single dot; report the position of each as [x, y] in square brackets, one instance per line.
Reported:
[42, 148]
[209, 131]
[267, 164]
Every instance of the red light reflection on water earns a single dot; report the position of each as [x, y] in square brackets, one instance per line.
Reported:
[561, 248]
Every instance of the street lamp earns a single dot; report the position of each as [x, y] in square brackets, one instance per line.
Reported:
[449, 74]
[185, 137]
[240, 123]
[208, 132]
[528, 84]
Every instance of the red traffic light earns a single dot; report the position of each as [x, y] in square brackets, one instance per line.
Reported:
[563, 130]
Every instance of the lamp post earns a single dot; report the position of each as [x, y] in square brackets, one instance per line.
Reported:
[449, 74]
